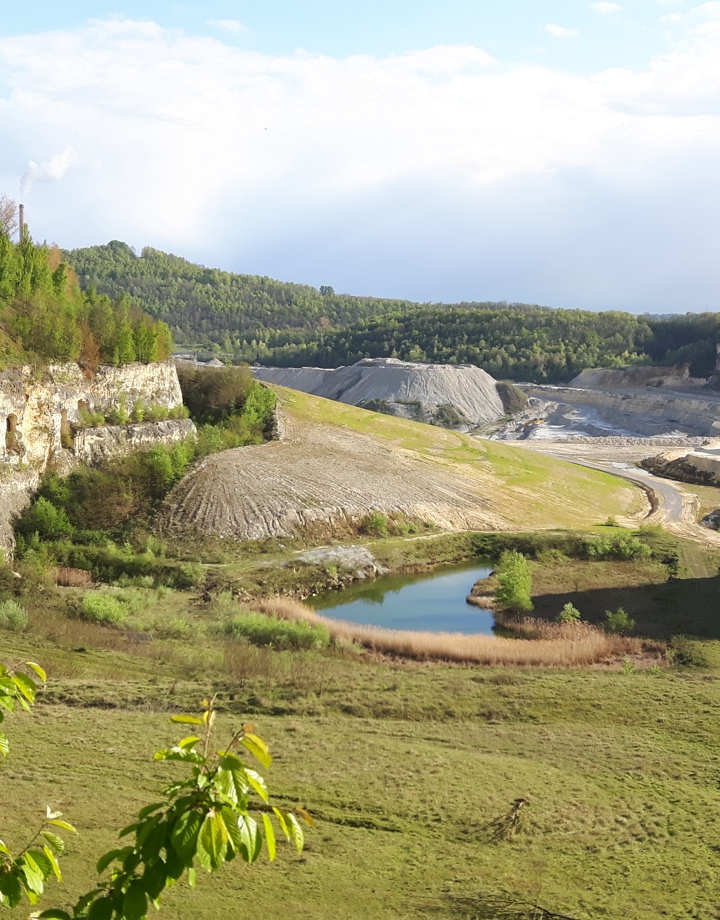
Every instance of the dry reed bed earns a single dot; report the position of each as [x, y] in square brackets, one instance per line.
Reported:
[556, 645]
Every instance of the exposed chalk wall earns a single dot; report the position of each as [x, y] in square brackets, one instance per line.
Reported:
[40, 414]
[39, 410]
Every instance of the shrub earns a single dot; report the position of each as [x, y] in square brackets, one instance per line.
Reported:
[374, 524]
[619, 621]
[515, 583]
[260, 629]
[43, 518]
[12, 615]
[622, 547]
[569, 614]
[102, 608]
[686, 653]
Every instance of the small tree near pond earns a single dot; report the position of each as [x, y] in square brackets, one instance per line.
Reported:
[514, 583]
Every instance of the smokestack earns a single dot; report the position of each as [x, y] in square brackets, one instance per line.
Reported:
[21, 223]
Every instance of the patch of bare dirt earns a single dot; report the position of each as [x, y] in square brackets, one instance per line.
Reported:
[324, 480]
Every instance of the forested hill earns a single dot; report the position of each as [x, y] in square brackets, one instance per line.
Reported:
[252, 318]
[531, 344]
[208, 305]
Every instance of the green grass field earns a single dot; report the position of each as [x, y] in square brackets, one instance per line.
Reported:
[403, 765]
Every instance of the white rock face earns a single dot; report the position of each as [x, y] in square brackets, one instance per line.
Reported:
[38, 409]
[40, 412]
[410, 390]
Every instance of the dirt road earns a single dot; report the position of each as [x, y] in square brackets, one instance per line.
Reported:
[671, 505]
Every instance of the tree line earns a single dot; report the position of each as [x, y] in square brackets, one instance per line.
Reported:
[257, 319]
[46, 316]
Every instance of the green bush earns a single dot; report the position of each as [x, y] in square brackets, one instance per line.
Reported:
[259, 629]
[684, 652]
[569, 614]
[43, 518]
[619, 621]
[102, 608]
[374, 524]
[622, 547]
[12, 615]
[514, 583]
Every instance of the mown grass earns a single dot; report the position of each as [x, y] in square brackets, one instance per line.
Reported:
[403, 763]
[403, 767]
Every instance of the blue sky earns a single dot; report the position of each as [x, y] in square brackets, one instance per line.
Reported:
[557, 151]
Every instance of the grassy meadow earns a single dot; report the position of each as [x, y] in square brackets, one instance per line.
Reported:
[409, 767]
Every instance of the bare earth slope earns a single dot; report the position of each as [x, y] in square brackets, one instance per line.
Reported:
[336, 463]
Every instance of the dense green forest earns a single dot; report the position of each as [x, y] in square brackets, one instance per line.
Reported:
[251, 318]
[45, 315]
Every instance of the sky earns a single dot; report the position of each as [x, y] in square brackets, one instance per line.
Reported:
[560, 152]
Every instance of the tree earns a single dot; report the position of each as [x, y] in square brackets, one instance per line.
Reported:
[8, 216]
[219, 811]
[514, 583]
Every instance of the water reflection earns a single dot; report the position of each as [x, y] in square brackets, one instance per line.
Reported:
[433, 601]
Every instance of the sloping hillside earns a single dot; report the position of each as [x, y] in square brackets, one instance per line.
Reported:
[337, 463]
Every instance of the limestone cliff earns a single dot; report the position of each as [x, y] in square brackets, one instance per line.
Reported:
[42, 425]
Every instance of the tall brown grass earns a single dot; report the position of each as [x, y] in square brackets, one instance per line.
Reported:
[556, 645]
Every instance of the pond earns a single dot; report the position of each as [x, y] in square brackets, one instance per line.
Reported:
[430, 601]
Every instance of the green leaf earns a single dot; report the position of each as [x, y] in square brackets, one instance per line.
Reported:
[135, 902]
[188, 742]
[257, 748]
[174, 865]
[41, 861]
[149, 809]
[212, 841]
[153, 842]
[192, 877]
[184, 836]
[63, 824]
[155, 879]
[131, 828]
[111, 856]
[178, 753]
[189, 720]
[297, 832]
[251, 841]
[54, 913]
[25, 685]
[57, 843]
[10, 888]
[283, 821]
[258, 784]
[4, 744]
[53, 862]
[37, 669]
[34, 878]
[85, 900]
[232, 782]
[102, 909]
[269, 836]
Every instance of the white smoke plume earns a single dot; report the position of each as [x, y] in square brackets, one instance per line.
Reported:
[48, 171]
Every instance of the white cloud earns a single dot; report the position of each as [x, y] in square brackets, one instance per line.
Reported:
[228, 25]
[48, 170]
[435, 174]
[560, 31]
[604, 8]
[671, 18]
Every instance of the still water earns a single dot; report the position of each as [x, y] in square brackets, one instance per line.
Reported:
[432, 601]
